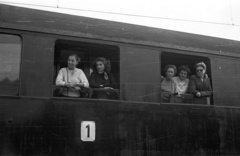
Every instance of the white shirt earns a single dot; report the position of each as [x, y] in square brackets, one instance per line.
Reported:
[72, 76]
[182, 85]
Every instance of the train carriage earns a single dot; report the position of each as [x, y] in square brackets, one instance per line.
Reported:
[35, 44]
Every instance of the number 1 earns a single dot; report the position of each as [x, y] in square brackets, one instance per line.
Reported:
[88, 130]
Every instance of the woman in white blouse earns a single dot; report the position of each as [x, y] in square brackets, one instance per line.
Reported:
[181, 80]
[71, 78]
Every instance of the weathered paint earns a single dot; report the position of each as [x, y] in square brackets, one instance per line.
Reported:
[32, 126]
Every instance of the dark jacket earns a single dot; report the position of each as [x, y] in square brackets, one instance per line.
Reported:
[197, 85]
[97, 80]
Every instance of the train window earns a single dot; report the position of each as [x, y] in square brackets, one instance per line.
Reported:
[10, 55]
[88, 52]
[176, 90]
[140, 74]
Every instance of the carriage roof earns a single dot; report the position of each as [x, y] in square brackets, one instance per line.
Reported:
[56, 23]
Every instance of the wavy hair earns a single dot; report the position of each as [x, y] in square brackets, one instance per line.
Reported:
[170, 66]
[106, 63]
[184, 68]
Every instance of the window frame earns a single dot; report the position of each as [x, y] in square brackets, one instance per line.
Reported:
[20, 64]
[206, 56]
[86, 42]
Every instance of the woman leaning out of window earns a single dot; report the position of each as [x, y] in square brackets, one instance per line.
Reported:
[199, 84]
[182, 80]
[168, 85]
[102, 80]
[71, 78]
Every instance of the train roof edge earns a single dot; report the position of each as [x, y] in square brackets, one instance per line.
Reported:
[63, 24]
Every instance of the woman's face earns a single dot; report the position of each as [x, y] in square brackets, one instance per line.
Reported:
[200, 71]
[183, 75]
[170, 72]
[72, 62]
[100, 66]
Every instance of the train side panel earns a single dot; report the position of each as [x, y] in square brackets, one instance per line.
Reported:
[32, 126]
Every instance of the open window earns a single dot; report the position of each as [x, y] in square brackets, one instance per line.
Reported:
[88, 52]
[169, 58]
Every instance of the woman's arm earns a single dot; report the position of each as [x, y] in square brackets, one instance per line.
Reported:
[208, 92]
[84, 80]
[192, 86]
[60, 78]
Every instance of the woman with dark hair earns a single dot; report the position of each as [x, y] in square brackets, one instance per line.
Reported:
[182, 80]
[168, 85]
[199, 84]
[71, 78]
[102, 79]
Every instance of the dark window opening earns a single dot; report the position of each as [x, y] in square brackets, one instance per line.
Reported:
[189, 61]
[88, 52]
[10, 56]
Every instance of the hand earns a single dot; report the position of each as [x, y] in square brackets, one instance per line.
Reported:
[179, 95]
[198, 94]
[70, 84]
[73, 84]
[108, 88]
[77, 88]
[67, 84]
[80, 84]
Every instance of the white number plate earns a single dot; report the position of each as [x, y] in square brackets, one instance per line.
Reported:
[88, 131]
